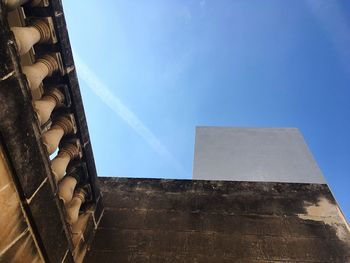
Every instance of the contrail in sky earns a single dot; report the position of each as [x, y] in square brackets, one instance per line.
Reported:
[114, 103]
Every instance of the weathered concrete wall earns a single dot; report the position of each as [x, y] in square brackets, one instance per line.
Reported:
[148, 220]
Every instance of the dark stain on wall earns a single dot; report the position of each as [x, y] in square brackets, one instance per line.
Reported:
[151, 220]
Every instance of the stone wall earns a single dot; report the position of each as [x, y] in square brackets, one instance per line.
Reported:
[16, 238]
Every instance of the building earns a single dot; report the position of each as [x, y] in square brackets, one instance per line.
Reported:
[42, 110]
[254, 154]
[56, 209]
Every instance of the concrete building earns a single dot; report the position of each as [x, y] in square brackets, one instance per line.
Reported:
[265, 200]
[254, 154]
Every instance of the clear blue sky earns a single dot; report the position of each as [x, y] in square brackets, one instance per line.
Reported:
[150, 71]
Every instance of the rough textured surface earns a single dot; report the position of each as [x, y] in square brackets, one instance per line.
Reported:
[16, 241]
[27, 156]
[17, 117]
[47, 221]
[150, 220]
[23, 250]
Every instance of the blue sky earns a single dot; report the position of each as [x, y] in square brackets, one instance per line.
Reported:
[150, 71]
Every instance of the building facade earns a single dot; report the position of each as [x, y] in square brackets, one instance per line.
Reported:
[49, 199]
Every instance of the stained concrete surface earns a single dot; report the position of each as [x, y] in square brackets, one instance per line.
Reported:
[153, 220]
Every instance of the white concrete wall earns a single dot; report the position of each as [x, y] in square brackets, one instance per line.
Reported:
[254, 154]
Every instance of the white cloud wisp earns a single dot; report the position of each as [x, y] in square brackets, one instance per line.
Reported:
[118, 107]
